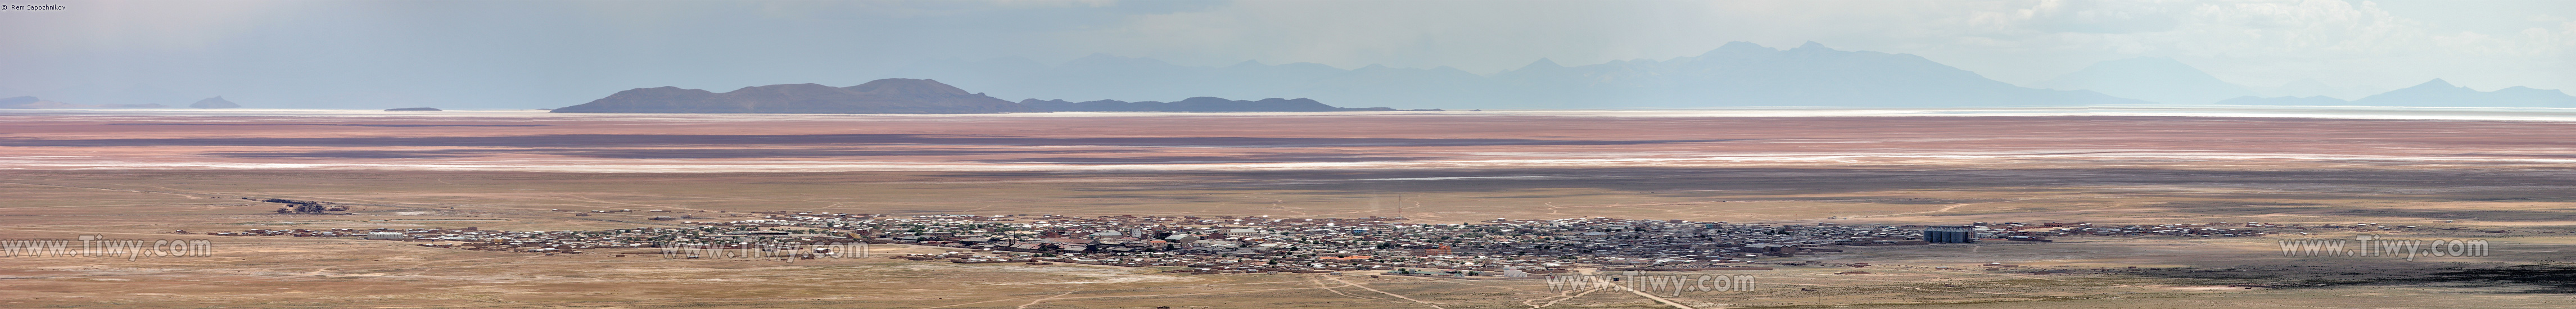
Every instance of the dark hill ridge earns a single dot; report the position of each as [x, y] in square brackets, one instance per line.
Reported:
[214, 102]
[1197, 104]
[884, 96]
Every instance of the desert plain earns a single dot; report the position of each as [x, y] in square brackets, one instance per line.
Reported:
[143, 176]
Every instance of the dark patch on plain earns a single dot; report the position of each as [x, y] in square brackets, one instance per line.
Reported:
[2556, 278]
[2548, 277]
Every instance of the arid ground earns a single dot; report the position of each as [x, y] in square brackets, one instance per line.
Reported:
[142, 176]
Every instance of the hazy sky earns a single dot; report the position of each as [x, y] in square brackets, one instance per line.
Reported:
[543, 54]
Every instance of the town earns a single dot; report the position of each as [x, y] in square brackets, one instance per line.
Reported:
[1262, 244]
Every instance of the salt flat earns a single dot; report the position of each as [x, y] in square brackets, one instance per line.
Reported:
[535, 141]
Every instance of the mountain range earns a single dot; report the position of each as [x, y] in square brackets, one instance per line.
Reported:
[2432, 93]
[1736, 74]
[214, 102]
[884, 96]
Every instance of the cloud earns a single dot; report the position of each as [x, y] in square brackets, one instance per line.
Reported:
[2096, 17]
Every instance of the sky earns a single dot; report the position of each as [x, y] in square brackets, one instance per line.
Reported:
[544, 54]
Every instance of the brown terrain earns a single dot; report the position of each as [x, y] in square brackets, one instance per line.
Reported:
[142, 176]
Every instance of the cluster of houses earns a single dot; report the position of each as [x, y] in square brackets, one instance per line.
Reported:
[471, 238]
[1257, 244]
[1231, 244]
[296, 233]
[2041, 231]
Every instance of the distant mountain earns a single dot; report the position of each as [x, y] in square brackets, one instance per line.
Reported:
[128, 95]
[29, 102]
[2441, 93]
[1745, 74]
[884, 96]
[1737, 74]
[1197, 104]
[415, 109]
[2433, 93]
[2309, 100]
[2313, 87]
[2156, 79]
[214, 102]
[1119, 78]
[17, 102]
